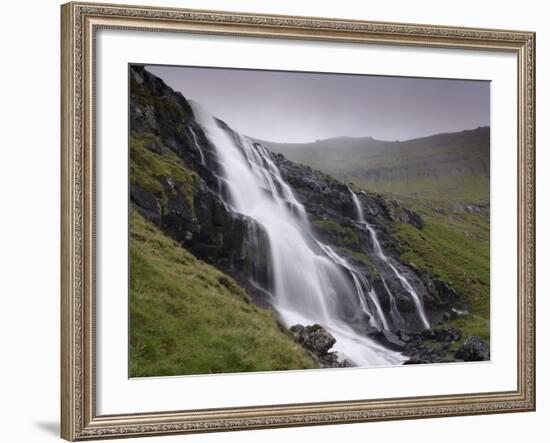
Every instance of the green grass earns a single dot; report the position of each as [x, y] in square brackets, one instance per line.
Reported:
[469, 188]
[150, 170]
[186, 317]
[470, 325]
[163, 105]
[453, 244]
[343, 236]
[453, 247]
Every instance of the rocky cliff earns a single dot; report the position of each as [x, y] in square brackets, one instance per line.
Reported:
[175, 184]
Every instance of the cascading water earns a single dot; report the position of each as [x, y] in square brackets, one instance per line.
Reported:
[380, 253]
[197, 145]
[311, 282]
[382, 323]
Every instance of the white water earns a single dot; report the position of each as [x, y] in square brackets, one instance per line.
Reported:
[379, 322]
[310, 284]
[380, 253]
[197, 145]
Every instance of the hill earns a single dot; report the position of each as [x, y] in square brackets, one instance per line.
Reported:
[205, 289]
[189, 318]
[451, 164]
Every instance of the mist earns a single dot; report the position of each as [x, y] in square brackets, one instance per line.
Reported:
[300, 107]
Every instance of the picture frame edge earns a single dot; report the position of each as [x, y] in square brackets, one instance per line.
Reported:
[78, 420]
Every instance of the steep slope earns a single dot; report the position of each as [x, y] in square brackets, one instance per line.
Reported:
[177, 183]
[443, 178]
[186, 317]
[451, 164]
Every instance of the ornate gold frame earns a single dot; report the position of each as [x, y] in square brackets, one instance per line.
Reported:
[79, 23]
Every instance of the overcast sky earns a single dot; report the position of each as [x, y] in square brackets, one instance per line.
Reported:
[302, 107]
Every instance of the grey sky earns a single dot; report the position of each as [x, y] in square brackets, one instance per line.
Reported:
[301, 107]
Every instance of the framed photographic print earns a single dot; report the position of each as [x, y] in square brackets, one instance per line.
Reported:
[283, 221]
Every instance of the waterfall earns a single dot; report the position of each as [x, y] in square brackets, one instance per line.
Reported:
[197, 145]
[359, 282]
[311, 283]
[380, 253]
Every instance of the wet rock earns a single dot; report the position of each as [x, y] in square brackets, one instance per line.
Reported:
[473, 349]
[146, 203]
[333, 360]
[155, 147]
[404, 337]
[389, 340]
[428, 334]
[395, 210]
[318, 341]
[200, 219]
[416, 361]
[446, 334]
[314, 338]
[413, 218]
[445, 291]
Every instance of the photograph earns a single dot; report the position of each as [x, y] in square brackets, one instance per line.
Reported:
[285, 218]
[289, 220]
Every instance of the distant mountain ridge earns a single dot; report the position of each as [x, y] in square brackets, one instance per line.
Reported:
[399, 166]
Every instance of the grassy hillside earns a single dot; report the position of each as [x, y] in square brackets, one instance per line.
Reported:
[456, 163]
[444, 178]
[453, 246]
[186, 317]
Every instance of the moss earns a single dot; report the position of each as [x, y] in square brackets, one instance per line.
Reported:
[365, 260]
[471, 325]
[149, 170]
[445, 252]
[162, 105]
[361, 257]
[343, 235]
[186, 317]
[469, 187]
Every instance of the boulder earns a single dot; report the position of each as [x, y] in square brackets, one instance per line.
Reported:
[428, 334]
[315, 338]
[473, 349]
[389, 340]
[334, 360]
[446, 334]
[146, 203]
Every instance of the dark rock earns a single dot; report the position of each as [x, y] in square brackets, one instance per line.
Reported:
[314, 338]
[445, 291]
[446, 334]
[428, 334]
[180, 206]
[146, 203]
[333, 360]
[403, 336]
[395, 210]
[200, 219]
[413, 218]
[157, 148]
[318, 341]
[416, 361]
[455, 313]
[389, 340]
[473, 349]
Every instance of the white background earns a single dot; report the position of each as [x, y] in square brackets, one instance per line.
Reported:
[29, 187]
